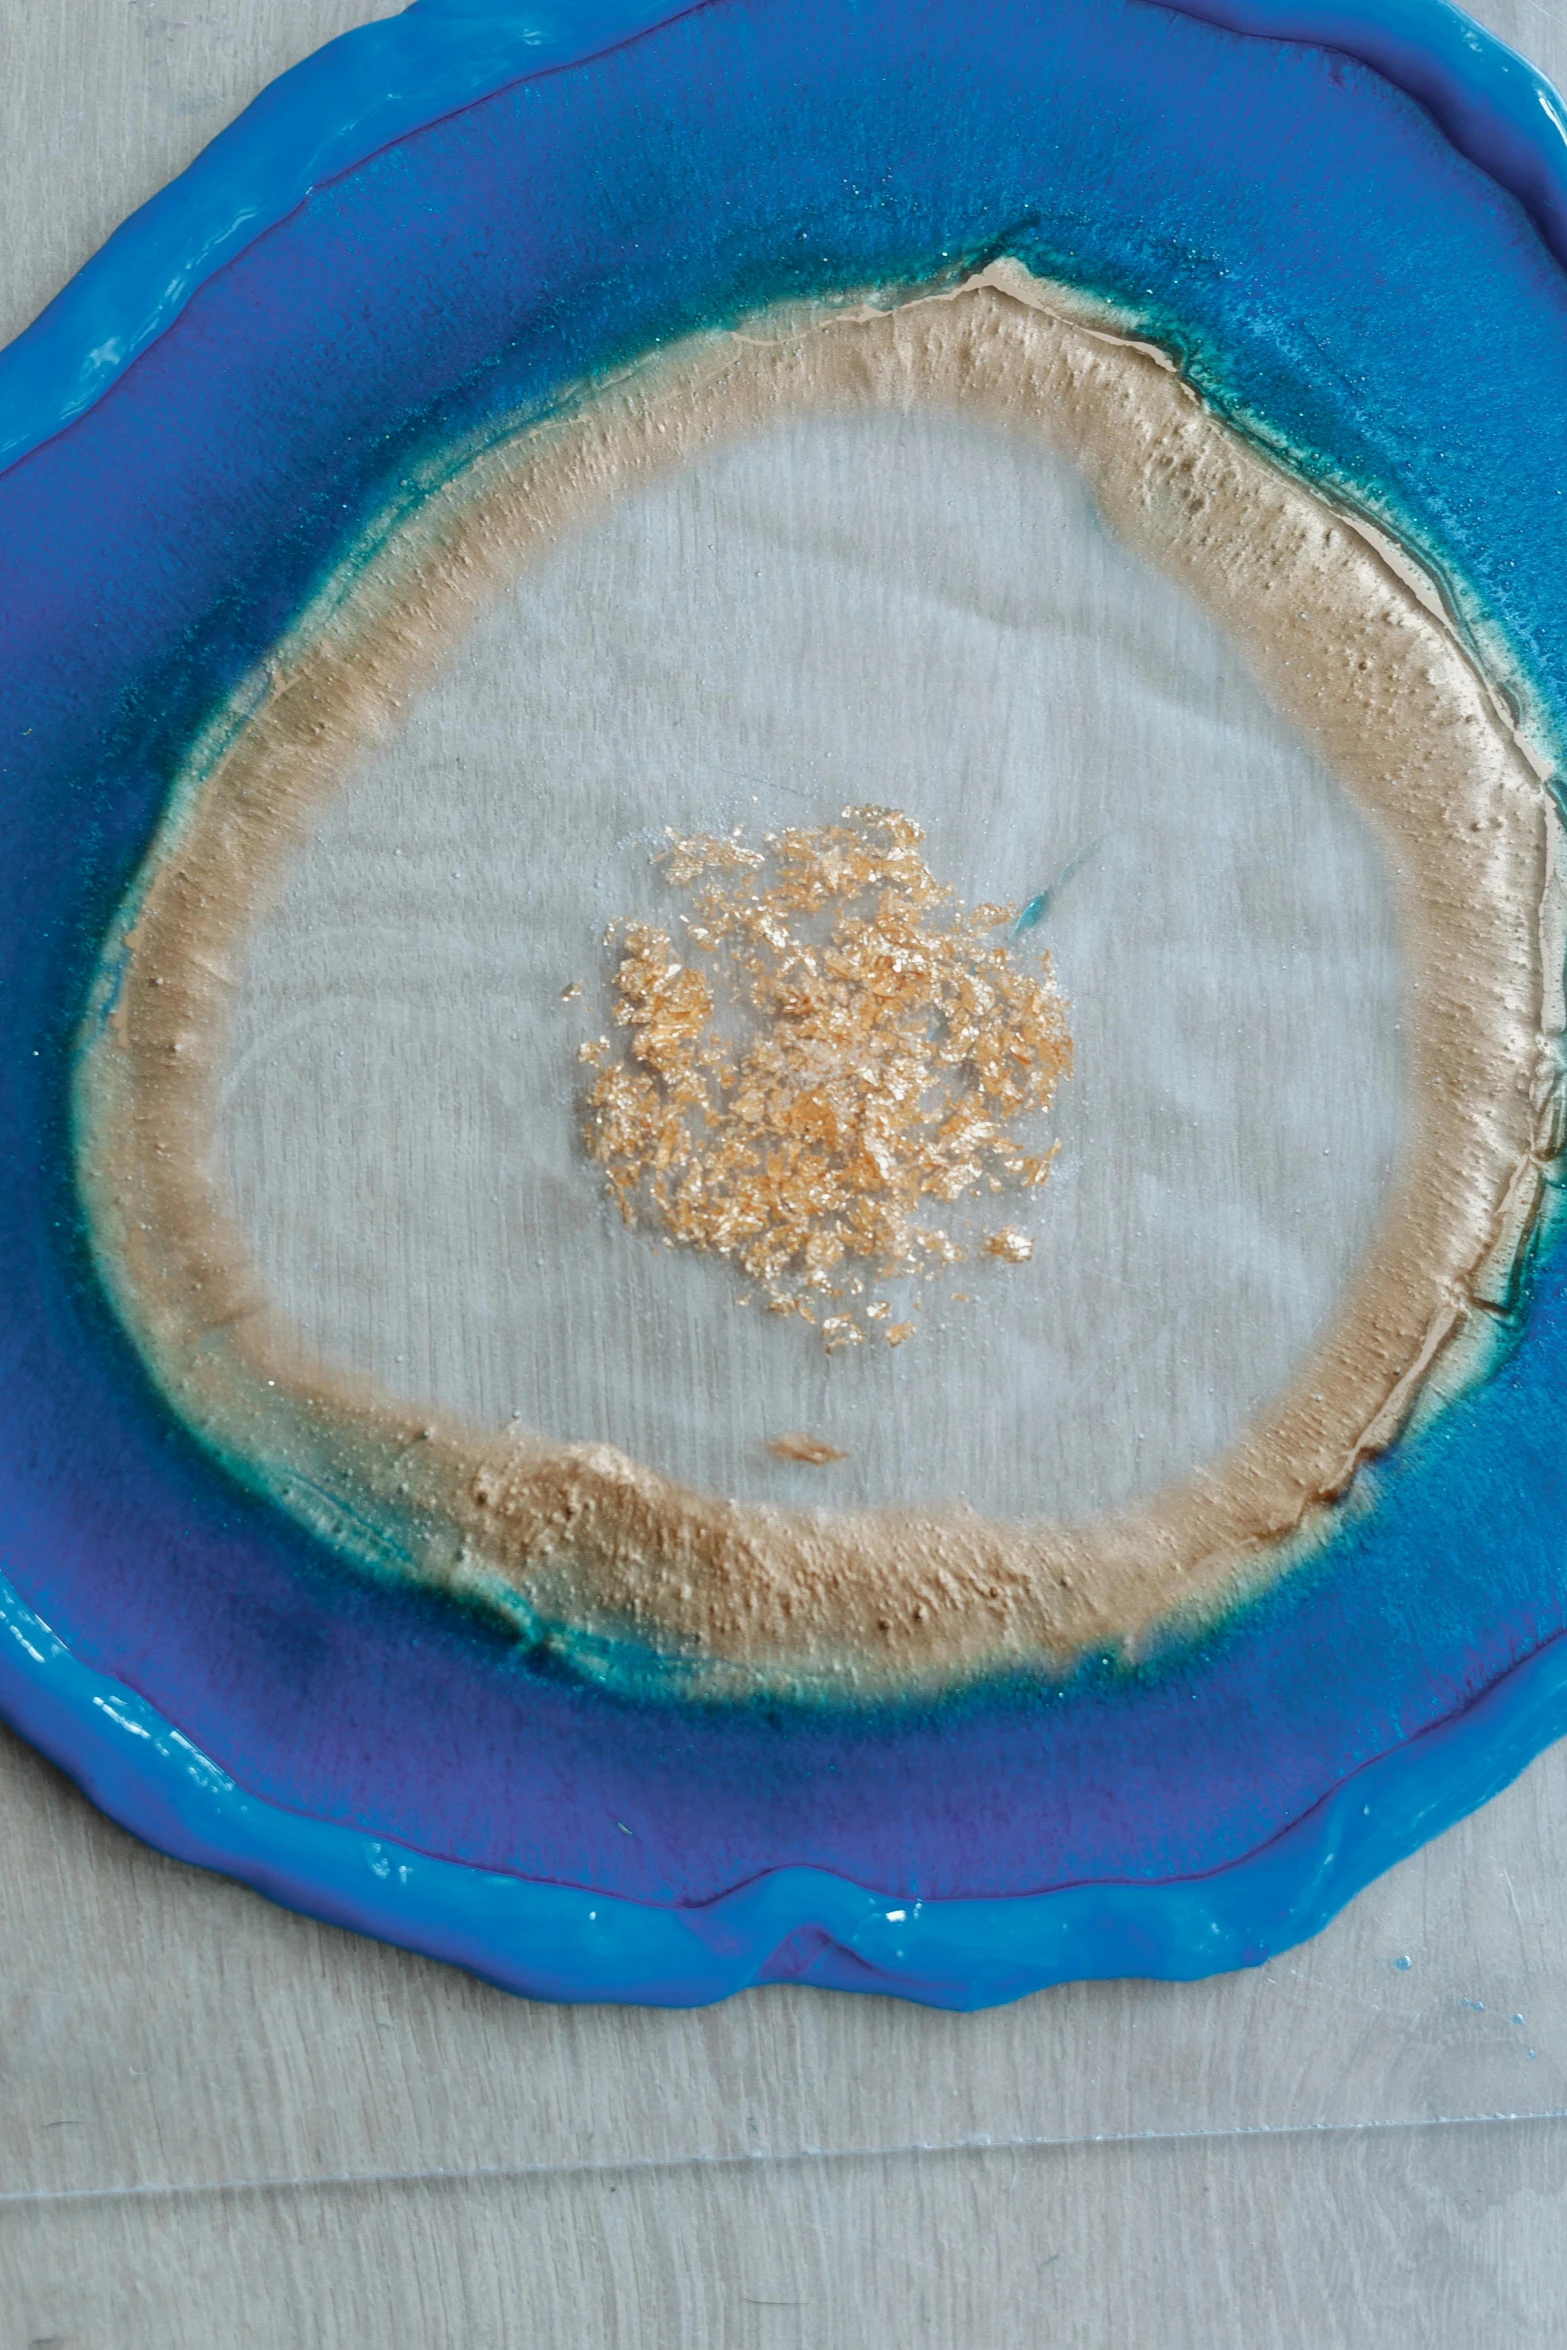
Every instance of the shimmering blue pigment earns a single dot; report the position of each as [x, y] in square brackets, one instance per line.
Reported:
[1338, 279]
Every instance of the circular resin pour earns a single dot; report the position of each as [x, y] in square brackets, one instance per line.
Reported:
[579, 1538]
[783, 989]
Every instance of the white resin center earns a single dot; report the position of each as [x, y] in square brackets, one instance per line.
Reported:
[909, 611]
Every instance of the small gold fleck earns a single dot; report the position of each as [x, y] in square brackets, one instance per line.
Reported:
[898, 1332]
[813, 1449]
[570, 993]
[1010, 1245]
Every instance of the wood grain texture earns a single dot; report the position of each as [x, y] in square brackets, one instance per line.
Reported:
[1370, 2240]
[210, 2106]
[223, 2124]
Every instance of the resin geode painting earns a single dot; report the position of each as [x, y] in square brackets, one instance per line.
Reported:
[785, 987]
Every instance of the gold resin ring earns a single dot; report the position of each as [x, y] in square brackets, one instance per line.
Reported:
[580, 1543]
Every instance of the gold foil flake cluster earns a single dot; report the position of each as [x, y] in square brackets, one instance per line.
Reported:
[831, 1057]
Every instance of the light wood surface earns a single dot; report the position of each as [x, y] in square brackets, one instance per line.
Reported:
[223, 2124]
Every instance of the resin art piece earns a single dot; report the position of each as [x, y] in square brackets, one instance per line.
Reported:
[784, 986]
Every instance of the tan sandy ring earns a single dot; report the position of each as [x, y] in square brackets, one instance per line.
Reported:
[584, 1546]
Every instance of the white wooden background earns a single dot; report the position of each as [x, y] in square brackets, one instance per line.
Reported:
[221, 2124]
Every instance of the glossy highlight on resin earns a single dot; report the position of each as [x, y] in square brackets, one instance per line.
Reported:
[1233, 202]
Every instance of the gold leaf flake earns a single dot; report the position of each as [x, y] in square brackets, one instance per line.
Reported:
[884, 1050]
[813, 1449]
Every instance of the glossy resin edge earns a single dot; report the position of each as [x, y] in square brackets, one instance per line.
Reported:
[564, 1942]
[386, 80]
